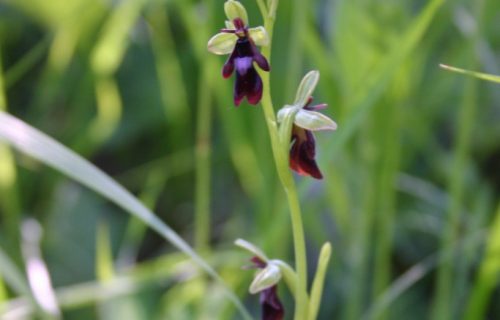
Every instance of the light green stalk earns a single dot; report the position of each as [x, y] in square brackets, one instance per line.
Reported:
[281, 160]
[203, 128]
[9, 201]
[487, 275]
[443, 301]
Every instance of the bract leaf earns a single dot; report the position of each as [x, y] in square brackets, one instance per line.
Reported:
[222, 43]
[306, 87]
[314, 121]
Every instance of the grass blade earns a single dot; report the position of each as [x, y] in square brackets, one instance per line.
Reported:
[36, 144]
[479, 75]
[488, 274]
[12, 275]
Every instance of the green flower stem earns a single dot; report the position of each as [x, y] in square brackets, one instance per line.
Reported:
[262, 7]
[10, 204]
[203, 157]
[281, 160]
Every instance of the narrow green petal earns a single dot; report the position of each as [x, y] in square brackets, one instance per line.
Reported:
[259, 36]
[235, 9]
[222, 43]
[314, 121]
[306, 87]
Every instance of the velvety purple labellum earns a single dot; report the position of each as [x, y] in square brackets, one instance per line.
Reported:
[303, 152]
[272, 308]
[249, 85]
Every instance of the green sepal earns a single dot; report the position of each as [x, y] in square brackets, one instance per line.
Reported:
[306, 87]
[222, 43]
[234, 9]
[253, 249]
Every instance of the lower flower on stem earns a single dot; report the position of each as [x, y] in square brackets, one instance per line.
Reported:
[266, 282]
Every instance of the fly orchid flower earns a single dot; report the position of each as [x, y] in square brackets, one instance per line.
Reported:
[306, 119]
[240, 41]
[265, 282]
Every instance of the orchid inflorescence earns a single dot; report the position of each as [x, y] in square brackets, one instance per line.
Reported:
[294, 147]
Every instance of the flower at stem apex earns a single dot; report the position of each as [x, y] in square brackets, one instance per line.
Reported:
[241, 43]
[306, 119]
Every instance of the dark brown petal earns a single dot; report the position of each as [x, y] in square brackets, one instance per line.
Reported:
[255, 93]
[228, 68]
[260, 59]
[272, 308]
[303, 152]
[249, 85]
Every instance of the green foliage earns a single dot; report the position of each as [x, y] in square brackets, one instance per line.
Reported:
[411, 174]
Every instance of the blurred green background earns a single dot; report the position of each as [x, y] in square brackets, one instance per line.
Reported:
[412, 176]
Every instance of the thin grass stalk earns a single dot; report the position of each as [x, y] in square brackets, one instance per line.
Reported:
[168, 68]
[487, 276]
[135, 231]
[3, 293]
[298, 27]
[25, 64]
[390, 153]
[467, 261]
[203, 156]
[359, 242]
[9, 197]
[443, 302]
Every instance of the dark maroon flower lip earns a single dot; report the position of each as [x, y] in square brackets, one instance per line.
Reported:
[303, 152]
[272, 308]
[248, 82]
